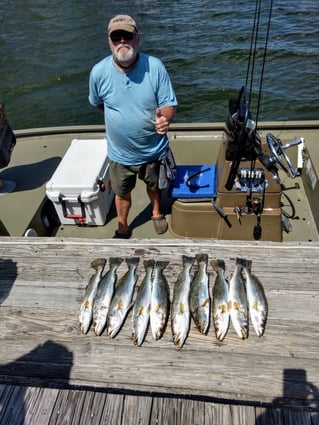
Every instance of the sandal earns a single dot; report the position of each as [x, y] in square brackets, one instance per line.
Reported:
[160, 224]
[125, 235]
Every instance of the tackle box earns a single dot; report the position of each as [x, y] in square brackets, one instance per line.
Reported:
[80, 188]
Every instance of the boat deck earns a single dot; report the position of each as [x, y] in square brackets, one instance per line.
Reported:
[37, 155]
[50, 373]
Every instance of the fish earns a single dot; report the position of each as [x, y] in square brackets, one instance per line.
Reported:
[86, 308]
[104, 295]
[199, 299]
[180, 303]
[122, 298]
[160, 301]
[220, 300]
[237, 302]
[257, 301]
[142, 305]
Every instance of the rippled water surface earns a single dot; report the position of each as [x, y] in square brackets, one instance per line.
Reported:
[48, 48]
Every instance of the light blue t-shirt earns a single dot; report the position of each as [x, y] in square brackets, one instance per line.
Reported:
[130, 101]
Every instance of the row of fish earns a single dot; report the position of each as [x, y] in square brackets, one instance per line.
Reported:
[107, 303]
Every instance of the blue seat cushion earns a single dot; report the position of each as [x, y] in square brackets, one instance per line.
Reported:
[194, 181]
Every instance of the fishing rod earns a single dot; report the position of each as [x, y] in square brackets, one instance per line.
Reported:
[246, 141]
[243, 127]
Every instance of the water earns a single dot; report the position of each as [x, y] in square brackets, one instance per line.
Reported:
[48, 48]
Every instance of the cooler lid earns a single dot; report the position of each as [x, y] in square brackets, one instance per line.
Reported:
[83, 163]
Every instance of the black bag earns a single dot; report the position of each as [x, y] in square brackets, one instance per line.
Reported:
[167, 169]
[7, 139]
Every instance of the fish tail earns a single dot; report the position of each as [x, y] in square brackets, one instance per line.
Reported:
[202, 258]
[218, 264]
[189, 261]
[161, 265]
[115, 261]
[149, 264]
[98, 263]
[244, 263]
[133, 261]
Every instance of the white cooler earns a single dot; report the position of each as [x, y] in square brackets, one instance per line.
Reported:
[80, 188]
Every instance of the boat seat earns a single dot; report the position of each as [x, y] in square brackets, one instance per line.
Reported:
[194, 182]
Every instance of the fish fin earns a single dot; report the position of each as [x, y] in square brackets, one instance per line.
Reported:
[218, 264]
[182, 308]
[141, 310]
[158, 307]
[224, 308]
[120, 304]
[233, 305]
[98, 263]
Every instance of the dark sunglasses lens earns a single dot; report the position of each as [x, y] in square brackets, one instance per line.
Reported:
[127, 36]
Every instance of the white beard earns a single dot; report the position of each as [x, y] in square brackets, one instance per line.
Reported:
[124, 56]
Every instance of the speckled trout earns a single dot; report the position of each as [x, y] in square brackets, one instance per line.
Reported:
[104, 295]
[86, 309]
[199, 299]
[180, 303]
[122, 298]
[160, 302]
[220, 300]
[257, 301]
[237, 302]
[142, 305]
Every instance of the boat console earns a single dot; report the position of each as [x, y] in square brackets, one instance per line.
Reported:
[246, 201]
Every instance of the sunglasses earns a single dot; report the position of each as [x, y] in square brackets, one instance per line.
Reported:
[119, 35]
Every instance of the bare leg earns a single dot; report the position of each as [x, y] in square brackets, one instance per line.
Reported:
[155, 197]
[123, 206]
[159, 220]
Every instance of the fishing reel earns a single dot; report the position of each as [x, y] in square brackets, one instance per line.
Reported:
[278, 158]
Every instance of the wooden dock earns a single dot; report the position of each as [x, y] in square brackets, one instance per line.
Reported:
[50, 373]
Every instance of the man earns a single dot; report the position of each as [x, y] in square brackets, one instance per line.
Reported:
[135, 92]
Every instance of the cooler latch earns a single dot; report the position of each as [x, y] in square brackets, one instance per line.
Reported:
[100, 184]
[81, 218]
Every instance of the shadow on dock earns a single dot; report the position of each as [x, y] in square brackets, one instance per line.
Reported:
[9, 272]
[306, 395]
[53, 364]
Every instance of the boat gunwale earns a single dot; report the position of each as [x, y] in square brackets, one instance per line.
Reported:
[196, 126]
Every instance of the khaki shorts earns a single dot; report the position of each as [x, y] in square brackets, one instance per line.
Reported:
[123, 177]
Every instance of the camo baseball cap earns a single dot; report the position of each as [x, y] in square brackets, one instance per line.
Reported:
[122, 22]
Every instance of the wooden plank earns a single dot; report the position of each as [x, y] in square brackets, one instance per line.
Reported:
[43, 283]
[269, 416]
[218, 413]
[243, 415]
[40, 411]
[164, 410]
[137, 410]
[112, 413]
[66, 403]
[11, 405]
